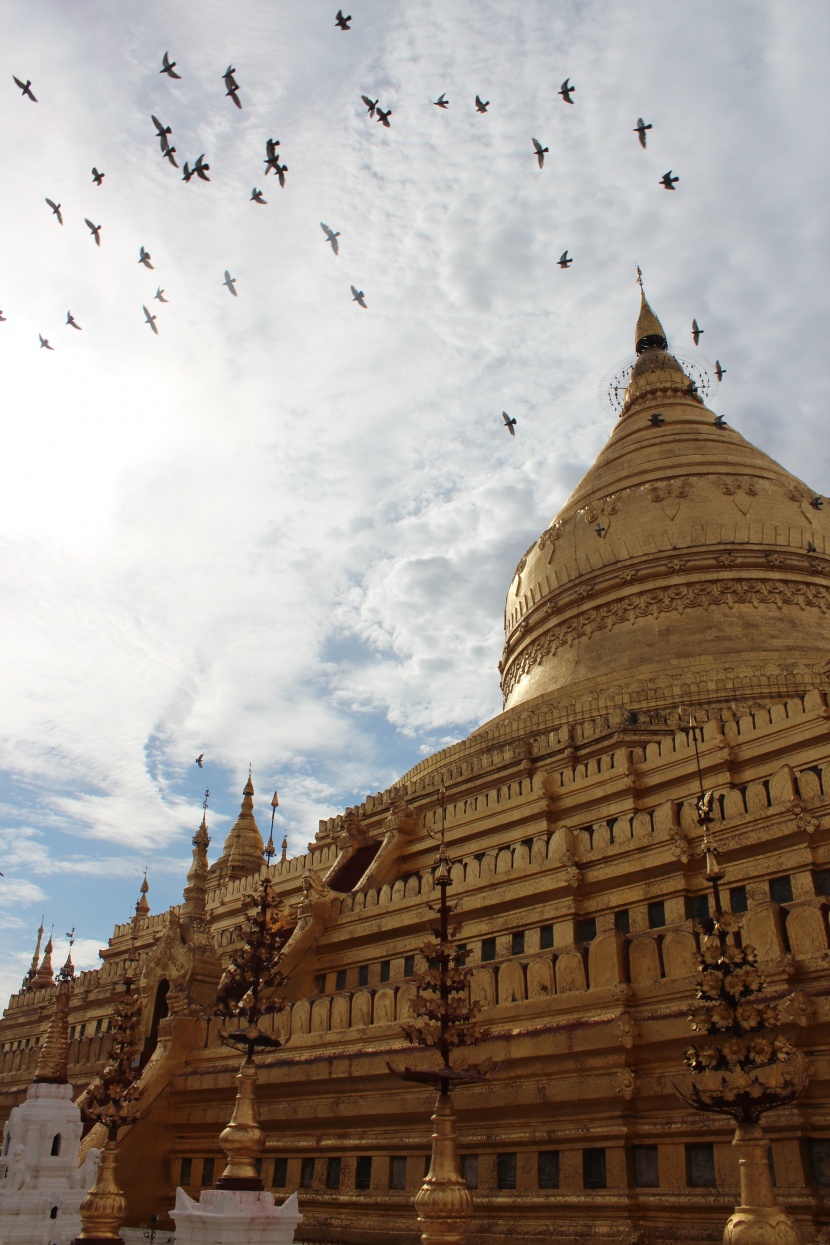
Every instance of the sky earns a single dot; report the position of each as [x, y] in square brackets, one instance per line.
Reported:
[281, 531]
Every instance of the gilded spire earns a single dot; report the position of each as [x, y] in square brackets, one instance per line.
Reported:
[142, 907]
[32, 973]
[52, 1063]
[195, 893]
[243, 850]
[649, 332]
[45, 975]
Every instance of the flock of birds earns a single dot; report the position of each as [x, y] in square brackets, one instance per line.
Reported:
[200, 170]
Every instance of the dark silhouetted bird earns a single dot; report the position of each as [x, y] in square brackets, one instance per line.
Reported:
[159, 294]
[668, 181]
[811, 547]
[720, 372]
[817, 503]
[187, 172]
[168, 155]
[167, 66]
[233, 92]
[358, 297]
[696, 332]
[161, 132]
[600, 530]
[482, 105]
[201, 168]
[370, 104]
[150, 319]
[509, 423]
[257, 197]
[656, 420]
[70, 319]
[272, 160]
[281, 170]
[144, 257]
[2, 317]
[563, 261]
[540, 152]
[566, 91]
[331, 236]
[720, 422]
[341, 21]
[230, 282]
[44, 343]
[199, 760]
[97, 177]
[95, 231]
[383, 117]
[56, 210]
[441, 101]
[228, 78]
[640, 130]
[26, 89]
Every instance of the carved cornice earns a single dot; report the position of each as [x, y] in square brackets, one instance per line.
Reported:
[669, 598]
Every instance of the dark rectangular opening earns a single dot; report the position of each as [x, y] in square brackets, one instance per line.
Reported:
[469, 1170]
[385, 969]
[207, 1172]
[408, 965]
[488, 949]
[593, 1169]
[363, 975]
[700, 1165]
[333, 1173]
[340, 979]
[352, 870]
[697, 907]
[645, 1168]
[781, 889]
[585, 929]
[306, 1173]
[622, 921]
[363, 1172]
[186, 1171]
[820, 1161]
[517, 942]
[548, 1169]
[656, 914]
[280, 1176]
[545, 937]
[506, 1171]
[737, 899]
[320, 983]
[397, 1171]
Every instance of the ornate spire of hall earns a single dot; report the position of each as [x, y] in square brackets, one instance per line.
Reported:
[32, 973]
[649, 332]
[142, 907]
[53, 1060]
[195, 893]
[44, 975]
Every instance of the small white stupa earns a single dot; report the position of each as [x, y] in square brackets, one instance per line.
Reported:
[41, 1184]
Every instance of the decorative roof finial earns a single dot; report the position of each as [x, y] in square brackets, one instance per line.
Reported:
[44, 975]
[142, 907]
[649, 332]
[32, 972]
[284, 855]
[53, 1060]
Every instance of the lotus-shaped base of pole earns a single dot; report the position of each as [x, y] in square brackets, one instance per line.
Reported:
[757, 1221]
[443, 1202]
[104, 1207]
[243, 1140]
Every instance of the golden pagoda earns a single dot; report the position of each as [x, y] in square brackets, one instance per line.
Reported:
[686, 579]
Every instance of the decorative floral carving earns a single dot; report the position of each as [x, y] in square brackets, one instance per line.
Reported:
[681, 847]
[800, 1008]
[625, 1084]
[806, 822]
[627, 1030]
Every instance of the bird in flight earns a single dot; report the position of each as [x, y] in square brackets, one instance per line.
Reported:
[44, 342]
[187, 172]
[2, 317]
[383, 117]
[70, 319]
[640, 130]
[201, 169]
[56, 210]
[668, 181]
[720, 372]
[256, 197]
[232, 85]
[168, 155]
[199, 760]
[509, 423]
[281, 170]
[230, 282]
[656, 420]
[159, 294]
[563, 261]
[720, 422]
[167, 66]
[540, 152]
[144, 257]
[95, 230]
[370, 104]
[696, 332]
[341, 21]
[161, 132]
[272, 160]
[441, 101]
[358, 297]
[150, 319]
[97, 177]
[26, 88]
[331, 236]
[482, 105]
[566, 91]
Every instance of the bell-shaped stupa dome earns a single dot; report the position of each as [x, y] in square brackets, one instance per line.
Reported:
[687, 562]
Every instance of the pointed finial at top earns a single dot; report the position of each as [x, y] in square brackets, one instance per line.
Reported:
[649, 332]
